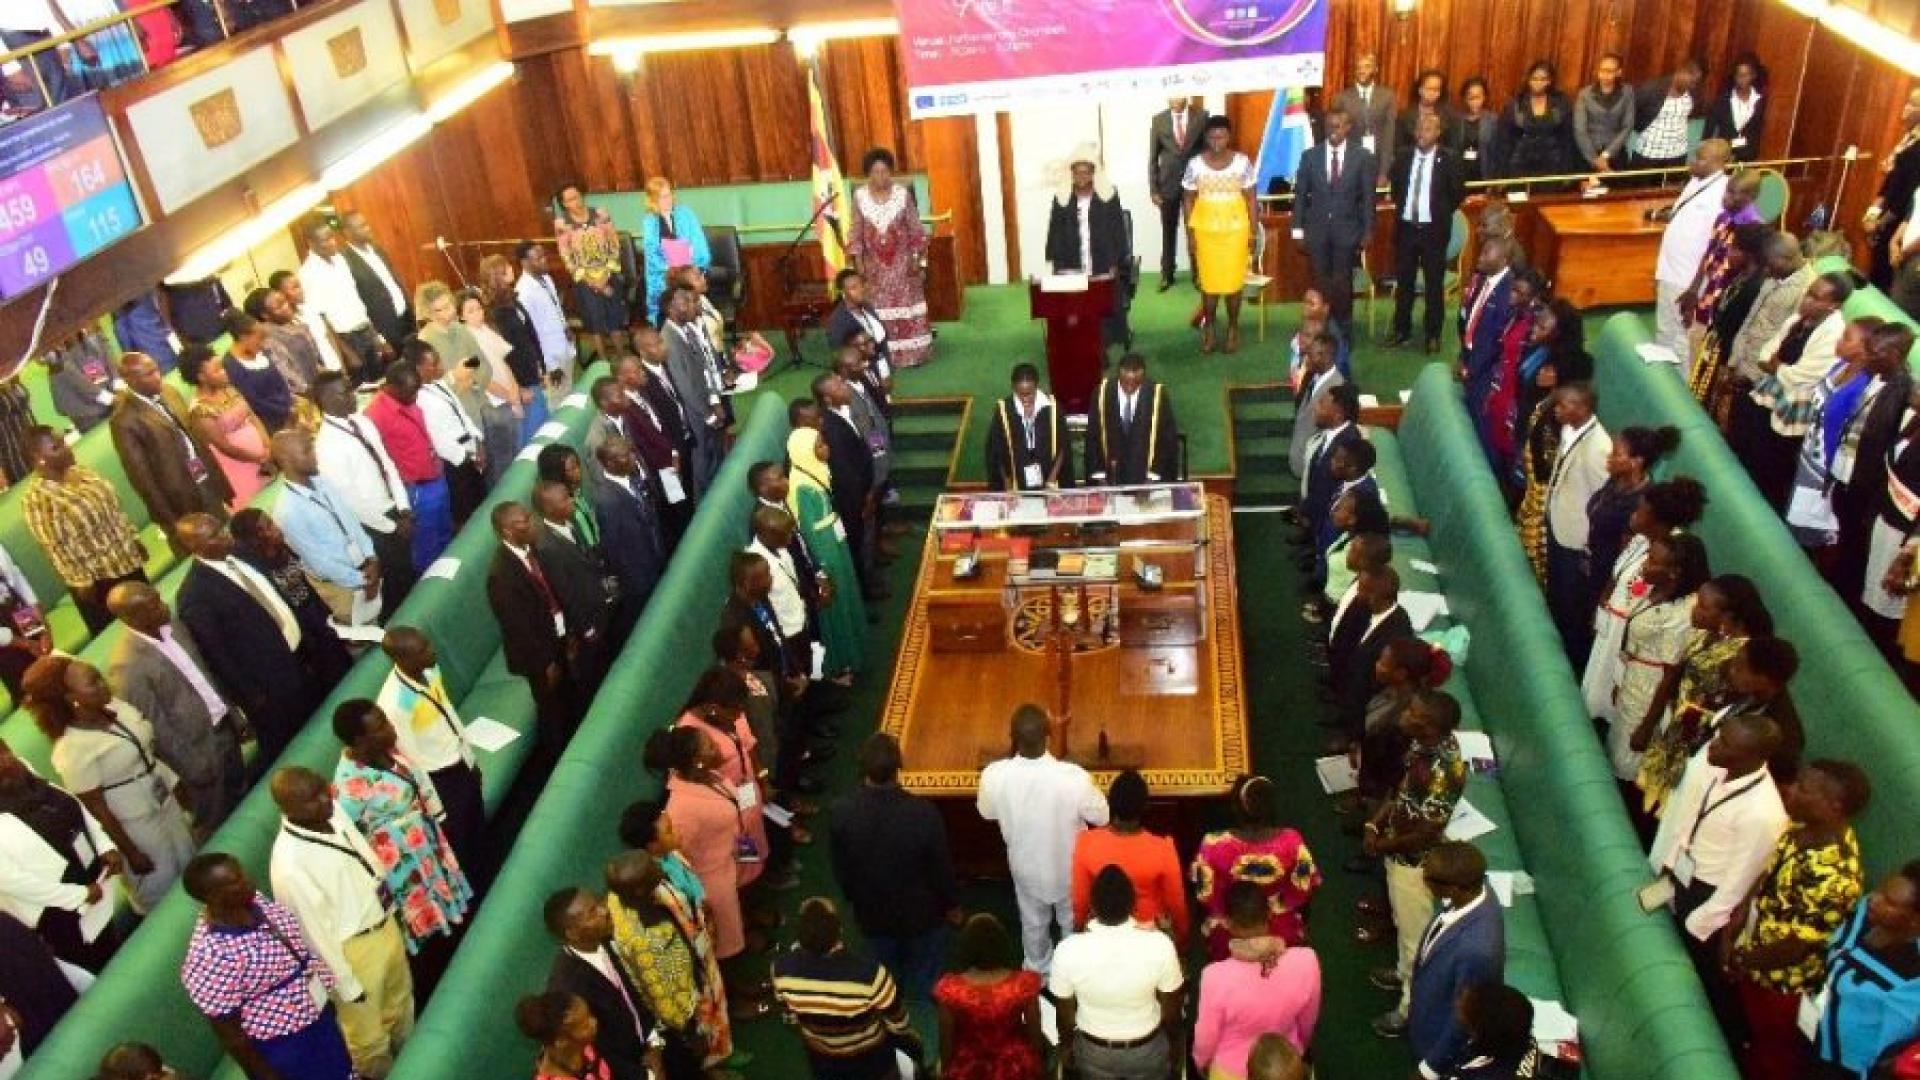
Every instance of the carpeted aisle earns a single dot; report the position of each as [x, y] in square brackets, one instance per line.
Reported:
[973, 357]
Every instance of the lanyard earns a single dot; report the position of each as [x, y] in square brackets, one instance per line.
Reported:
[459, 414]
[344, 849]
[161, 408]
[147, 765]
[1707, 808]
[313, 497]
[426, 691]
[353, 429]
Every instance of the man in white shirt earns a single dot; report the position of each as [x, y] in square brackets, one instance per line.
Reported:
[1042, 805]
[1689, 229]
[1116, 985]
[772, 533]
[351, 456]
[325, 873]
[431, 734]
[1578, 472]
[1720, 827]
[327, 279]
[458, 440]
[541, 297]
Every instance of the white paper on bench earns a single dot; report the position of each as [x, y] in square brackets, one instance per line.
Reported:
[1552, 1023]
[1423, 608]
[1424, 566]
[1369, 401]
[552, 429]
[1336, 774]
[1406, 396]
[529, 452]
[574, 401]
[1468, 823]
[488, 734]
[443, 568]
[1475, 746]
[1657, 354]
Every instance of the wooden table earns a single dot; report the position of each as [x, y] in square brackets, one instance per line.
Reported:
[1601, 252]
[1179, 708]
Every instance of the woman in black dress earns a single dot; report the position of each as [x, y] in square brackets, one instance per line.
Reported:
[1537, 129]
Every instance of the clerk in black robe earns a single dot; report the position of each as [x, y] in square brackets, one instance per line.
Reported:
[1132, 437]
[1087, 233]
[1027, 444]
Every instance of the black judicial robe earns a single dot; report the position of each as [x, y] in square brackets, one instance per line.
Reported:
[1126, 454]
[1008, 454]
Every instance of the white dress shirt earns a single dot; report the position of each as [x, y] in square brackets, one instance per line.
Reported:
[332, 882]
[542, 301]
[332, 294]
[1727, 828]
[425, 720]
[316, 325]
[260, 587]
[30, 870]
[1115, 975]
[385, 273]
[1083, 206]
[1742, 111]
[360, 470]
[1579, 471]
[1690, 229]
[1042, 805]
[454, 435]
[1419, 208]
[169, 647]
[789, 606]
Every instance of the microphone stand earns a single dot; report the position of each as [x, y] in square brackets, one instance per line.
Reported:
[797, 323]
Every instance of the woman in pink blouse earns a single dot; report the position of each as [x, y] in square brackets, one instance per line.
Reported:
[1263, 986]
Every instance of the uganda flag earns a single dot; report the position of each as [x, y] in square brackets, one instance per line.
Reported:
[829, 190]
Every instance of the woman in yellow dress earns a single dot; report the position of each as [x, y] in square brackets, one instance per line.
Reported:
[1219, 205]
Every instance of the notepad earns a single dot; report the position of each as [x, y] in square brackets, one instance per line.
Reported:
[1507, 884]
[1336, 773]
[443, 568]
[573, 401]
[1468, 823]
[1475, 746]
[1423, 608]
[1656, 354]
[1424, 567]
[552, 429]
[677, 252]
[1552, 1023]
[486, 733]
[95, 916]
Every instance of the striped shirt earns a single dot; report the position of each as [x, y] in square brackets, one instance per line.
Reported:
[849, 1015]
[79, 523]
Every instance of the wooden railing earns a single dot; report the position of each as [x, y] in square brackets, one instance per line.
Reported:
[31, 57]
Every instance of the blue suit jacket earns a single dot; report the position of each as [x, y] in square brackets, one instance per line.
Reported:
[1482, 353]
[1470, 952]
[630, 539]
[1316, 500]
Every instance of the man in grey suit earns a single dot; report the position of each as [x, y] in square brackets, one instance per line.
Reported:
[695, 374]
[1320, 376]
[1333, 211]
[1372, 108]
[157, 669]
[1177, 135]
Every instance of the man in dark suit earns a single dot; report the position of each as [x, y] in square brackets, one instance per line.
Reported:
[1465, 946]
[1335, 419]
[165, 462]
[1427, 189]
[1362, 632]
[855, 492]
[586, 968]
[1027, 442]
[157, 668]
[1132, 437]
[1372, 108]
[389, 306]
[1333, 211]
[855, 315]
[1485, 307]
[271, 657]
[630, 532]
[588, 590]
[534, 633]
[1176, 137]
[653, 425]
[693, 372]
[768, 481]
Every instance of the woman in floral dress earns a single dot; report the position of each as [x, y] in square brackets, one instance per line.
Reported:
[889, 246]
[1653, 640]
[395, 806]
[989, 1009]
[589, 245]
[1258, 849]
[1727, 612]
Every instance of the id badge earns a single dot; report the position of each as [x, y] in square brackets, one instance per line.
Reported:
[1656, 894]
[1812, 1008]
[670, 484]
[745, 850]
[839, 528]
[1739, 142]
[1032, 475]
[196, 468]
[747, 795]
[1366, 143]
[1472, 154]
[1684, 869]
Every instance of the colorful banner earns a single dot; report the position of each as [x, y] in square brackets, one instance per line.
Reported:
[63, 194]
[828, 187]
[973, 56]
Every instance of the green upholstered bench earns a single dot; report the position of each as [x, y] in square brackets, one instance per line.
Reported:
[570, 832]
[1627, 978]
[1851, 703]
[139, 995]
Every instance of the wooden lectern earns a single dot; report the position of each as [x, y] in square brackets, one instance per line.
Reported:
[1075, 353]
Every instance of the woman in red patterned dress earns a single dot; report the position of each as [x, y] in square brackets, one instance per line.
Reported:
[1263, 852]
[989, 1010]
[889, 245]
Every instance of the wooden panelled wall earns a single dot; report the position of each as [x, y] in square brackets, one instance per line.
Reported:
[740, 115]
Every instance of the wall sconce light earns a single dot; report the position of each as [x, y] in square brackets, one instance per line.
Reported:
[1403, 9]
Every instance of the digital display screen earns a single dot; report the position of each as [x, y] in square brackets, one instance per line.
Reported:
[63, 194]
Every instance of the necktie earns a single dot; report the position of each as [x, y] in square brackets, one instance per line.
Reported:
[1336, 168]
[1432, 935]
[539, 577]
[272, 605]
[1126, 411]
[353, 429]
[1180, 127]
[1417, 192]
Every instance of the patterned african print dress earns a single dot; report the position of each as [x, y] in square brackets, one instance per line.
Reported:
[398, 811]
[1280, 865]
[1702, 690]
[891, 243]
[672, 963]
[1537, 455]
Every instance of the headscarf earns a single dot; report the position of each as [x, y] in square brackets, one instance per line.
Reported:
[805, 467]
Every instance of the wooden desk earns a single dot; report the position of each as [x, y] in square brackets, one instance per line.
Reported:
[762, 306]
[1602, 252]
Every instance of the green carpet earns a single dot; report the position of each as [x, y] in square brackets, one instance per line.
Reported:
[972, 358]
